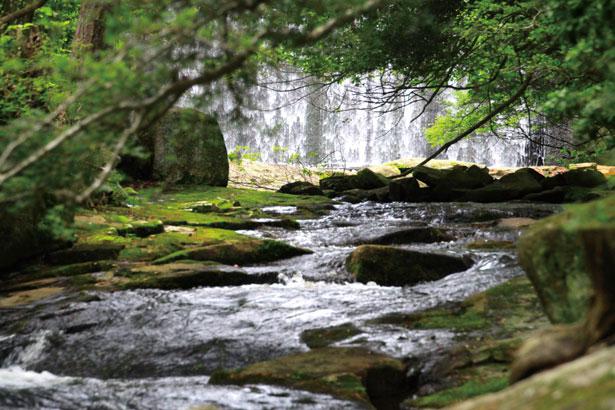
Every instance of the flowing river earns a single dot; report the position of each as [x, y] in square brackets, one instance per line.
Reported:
[152, 349]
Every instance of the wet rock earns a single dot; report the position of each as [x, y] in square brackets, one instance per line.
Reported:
[240, 253]
[350, 373]
[447, 192]
[459, 177]
[300, 188]
[549, 348]
[85, 253]
[338, 183]
[588, 178]
[586, 383]
[556, 195]
[368, 179]
[323, 337]
[389, 266]
[552, 253]
[411, 235]
[142, 230]
[354, 196]
[187, 275]
[511, 186]
[405, 190]
[379, 194]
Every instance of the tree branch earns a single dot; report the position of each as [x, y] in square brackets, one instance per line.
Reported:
[4, 20]
[482, 122]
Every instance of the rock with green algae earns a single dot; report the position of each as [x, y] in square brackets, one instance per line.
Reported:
[460, 177]
[586, 383]
[520, 183]
[142, 229]
[349, 373]
[368, 179]
[423, 234]
[551, 252]
[190, 274]
[85, 253]
[241, 253]
[323, 337]
[390, 266]
[300, 188]
[588, 178]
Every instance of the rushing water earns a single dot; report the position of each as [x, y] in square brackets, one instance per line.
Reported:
[155, 349]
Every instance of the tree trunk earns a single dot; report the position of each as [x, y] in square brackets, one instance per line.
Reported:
[90, 34]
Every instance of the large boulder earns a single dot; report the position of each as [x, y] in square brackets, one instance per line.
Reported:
[460, 177]
[586, 383]
[368, 179]
[554, 254]
[390, 266]
[588, 178]
[422, 234]
[516, 185]
[300, 188]
[338, 183]
[186, 146]
[405, 189]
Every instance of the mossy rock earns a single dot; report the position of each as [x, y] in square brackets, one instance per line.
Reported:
[587, 178]
[142, 230]
[338, 183]
[187, 275]
[405, 189]
[411, 235]
[186, 146]
[389, 266]
[460, 177]
[241, 253]
[348, 373]
[85, 253]
[586, 383]
[300, 188]
[323, 337]
[368, 179]
[520, 183]
[551, 252]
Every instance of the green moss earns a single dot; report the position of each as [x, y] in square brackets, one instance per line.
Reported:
[491, 245]
[456, 394]
[323, 337]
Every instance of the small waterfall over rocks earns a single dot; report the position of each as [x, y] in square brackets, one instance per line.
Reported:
[289, 117]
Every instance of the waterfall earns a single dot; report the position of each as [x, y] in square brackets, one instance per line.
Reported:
[290, 118]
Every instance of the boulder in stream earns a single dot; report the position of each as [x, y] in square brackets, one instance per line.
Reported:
[588, 178]
[350, 373]
[237, 253]
[190, 274]
[300, 188]
[511, 186]
[459, 177]
[390, 266]
[405, 189]
[423, 234]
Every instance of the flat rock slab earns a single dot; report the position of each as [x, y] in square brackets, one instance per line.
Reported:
[350, 373]
[186, 275]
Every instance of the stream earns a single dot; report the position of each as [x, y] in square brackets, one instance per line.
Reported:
[153, 349]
